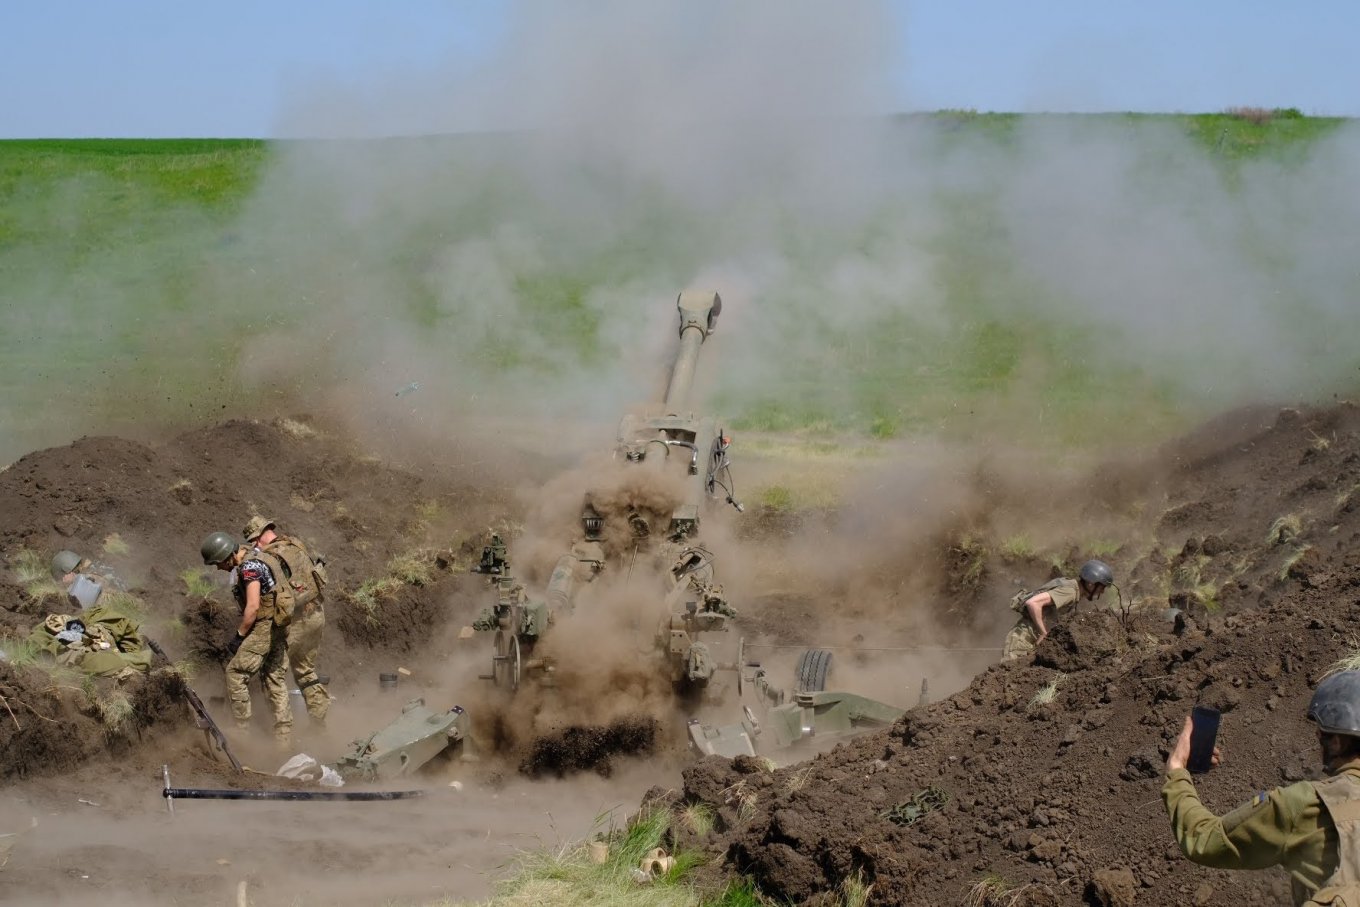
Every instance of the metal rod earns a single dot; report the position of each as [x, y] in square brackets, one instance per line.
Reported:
[196, 793]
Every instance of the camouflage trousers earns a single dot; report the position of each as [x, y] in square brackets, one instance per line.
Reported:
[304, 642]
[263, 652]
[1022, 639]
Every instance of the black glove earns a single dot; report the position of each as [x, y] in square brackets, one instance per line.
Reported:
[235, 645]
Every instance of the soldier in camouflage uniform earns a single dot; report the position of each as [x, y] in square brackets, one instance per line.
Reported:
[260, 643]
[306, 576]
[1311, 828]
[1058, 594]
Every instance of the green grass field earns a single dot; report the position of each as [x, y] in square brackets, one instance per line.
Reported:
[165, 282]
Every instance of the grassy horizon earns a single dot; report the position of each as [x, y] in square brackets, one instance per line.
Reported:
[126, 260]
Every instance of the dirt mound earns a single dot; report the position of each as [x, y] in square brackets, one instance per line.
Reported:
[1040, 783]
[393, 540]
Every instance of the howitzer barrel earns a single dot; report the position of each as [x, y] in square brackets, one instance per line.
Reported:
[698, 317]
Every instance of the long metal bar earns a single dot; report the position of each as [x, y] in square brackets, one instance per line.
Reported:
[171, 794]
[197, 793]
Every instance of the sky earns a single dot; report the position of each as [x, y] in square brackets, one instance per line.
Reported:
[157, 68]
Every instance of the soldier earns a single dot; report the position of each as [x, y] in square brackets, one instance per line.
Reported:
[306, 577]
[83, 580]
[1311, 828]
[1058, 594]
[259, 645]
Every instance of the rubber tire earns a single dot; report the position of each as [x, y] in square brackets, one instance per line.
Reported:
[813, 668]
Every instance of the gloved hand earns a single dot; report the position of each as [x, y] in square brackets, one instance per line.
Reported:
[235, 645]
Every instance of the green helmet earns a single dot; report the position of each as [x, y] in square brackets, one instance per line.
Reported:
[64, 562]
[217, 547]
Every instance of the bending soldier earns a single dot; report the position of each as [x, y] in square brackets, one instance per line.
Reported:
[259, 645]
[1311, 828]
[1058, 594]
[82, 579]
[306, 576]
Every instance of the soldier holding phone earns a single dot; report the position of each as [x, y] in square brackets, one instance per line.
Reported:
[1311, 828]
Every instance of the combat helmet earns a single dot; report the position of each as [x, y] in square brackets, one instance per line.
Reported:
[217, 547]
[64, 562]
[256, 527]
[1336, 704]
[1097, 573]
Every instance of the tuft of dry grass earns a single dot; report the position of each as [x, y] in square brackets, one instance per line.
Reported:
[114, 545]
[1284, 529]
[296, 429]
[1048, 692]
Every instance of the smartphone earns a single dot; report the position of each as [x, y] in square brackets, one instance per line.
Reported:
[1203, 733]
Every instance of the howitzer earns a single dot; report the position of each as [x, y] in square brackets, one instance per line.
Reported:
[211, 731]
[677, 462]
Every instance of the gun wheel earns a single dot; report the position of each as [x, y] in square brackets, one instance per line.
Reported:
[505, 666]
[813, 667]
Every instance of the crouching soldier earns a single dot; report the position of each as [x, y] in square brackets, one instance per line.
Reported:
[259, 645]
[82, 579]
[1058, 594]
[306, 576]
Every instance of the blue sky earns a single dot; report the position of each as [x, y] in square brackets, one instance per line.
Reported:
[157, 68]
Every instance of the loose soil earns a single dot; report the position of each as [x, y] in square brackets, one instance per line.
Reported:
[1248, 529]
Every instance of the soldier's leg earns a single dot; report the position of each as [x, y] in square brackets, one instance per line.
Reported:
[1020, 641]
[244, 665]
[304, 642]
[275, 673]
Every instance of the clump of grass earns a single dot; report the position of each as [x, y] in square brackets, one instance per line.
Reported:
[114, 545]
[414, 568]
[114, 710]
[1343, 500]
[698, 818]
[1294, 557]
[197, 585]
[33, 572]
[885, 427]
[796, 781]
[853, 891]
[299, 430]
[743, 798]
[1318, 442]
[298, 502]
[1105, 548]
[371, 592]
[987, 891]
[1284, 529]
[1017, 548]
[776, 497]
[20, 652]
[970, 555]
[566, 876]
[1047, 692]
[124, 603]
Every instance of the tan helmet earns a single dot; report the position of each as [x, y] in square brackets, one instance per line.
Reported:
[64, 562]
[256, 527]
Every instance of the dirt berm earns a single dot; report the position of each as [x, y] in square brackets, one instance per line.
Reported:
[997, 796]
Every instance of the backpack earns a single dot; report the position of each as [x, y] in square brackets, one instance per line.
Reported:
[301, 574]
[1018, 599]
[1341, 796]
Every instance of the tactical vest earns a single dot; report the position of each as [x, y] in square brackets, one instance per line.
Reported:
[300, 572]
[1018, 600]
[1341, 796]
[277, 604]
